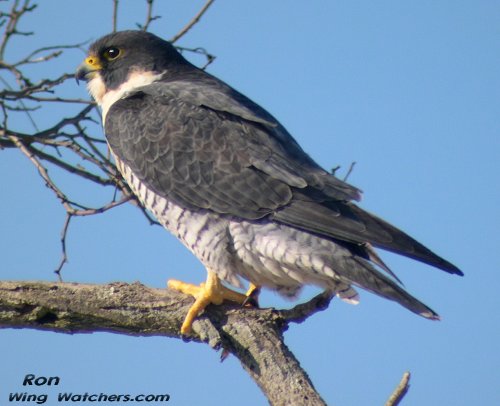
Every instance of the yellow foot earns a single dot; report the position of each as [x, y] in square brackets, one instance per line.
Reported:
[252, 296]
[212, 291]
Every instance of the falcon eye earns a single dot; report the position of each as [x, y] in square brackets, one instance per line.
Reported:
[112, 53]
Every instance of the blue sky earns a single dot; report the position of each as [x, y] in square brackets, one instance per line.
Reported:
[408, 90]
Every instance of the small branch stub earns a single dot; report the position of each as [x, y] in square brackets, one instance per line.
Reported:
[400, 391]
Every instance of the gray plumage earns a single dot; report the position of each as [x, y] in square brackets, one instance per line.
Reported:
[229, 181]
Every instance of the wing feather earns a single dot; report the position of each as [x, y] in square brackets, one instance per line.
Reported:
[195, 164]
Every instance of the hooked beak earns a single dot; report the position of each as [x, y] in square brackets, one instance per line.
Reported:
[88, 69]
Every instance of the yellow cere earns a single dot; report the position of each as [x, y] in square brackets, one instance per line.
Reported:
[93, 62]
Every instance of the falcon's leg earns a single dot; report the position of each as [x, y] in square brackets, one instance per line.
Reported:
[212, 291]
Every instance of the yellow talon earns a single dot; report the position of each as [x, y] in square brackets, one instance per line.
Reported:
[187, 288]
[252, 296]
[212, 291]
[253, 290]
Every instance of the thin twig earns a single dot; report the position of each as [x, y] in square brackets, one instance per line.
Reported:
[24, 108]
[64, 256]
[195, 20]
[400, 391]
[68, 167]
[199, 50]
[115, 15]
[43, 86]
[78, 118]
[41, 170]
[13, 19]
[351, 167]
[333, 171]
[64, 232]
[57, 52]
[149, 16]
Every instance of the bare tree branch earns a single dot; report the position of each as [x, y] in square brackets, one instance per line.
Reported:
[254, 336]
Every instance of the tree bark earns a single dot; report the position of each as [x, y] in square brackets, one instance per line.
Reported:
[254, 336]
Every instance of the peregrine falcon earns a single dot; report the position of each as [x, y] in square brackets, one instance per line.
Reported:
[228, 180]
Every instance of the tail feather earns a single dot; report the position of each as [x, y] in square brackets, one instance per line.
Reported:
[373, 256]
[364, 275]
[401, 243]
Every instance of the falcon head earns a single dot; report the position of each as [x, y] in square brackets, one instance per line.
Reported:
[121, 61]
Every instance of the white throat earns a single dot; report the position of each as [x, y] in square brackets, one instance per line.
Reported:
[105, 99]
